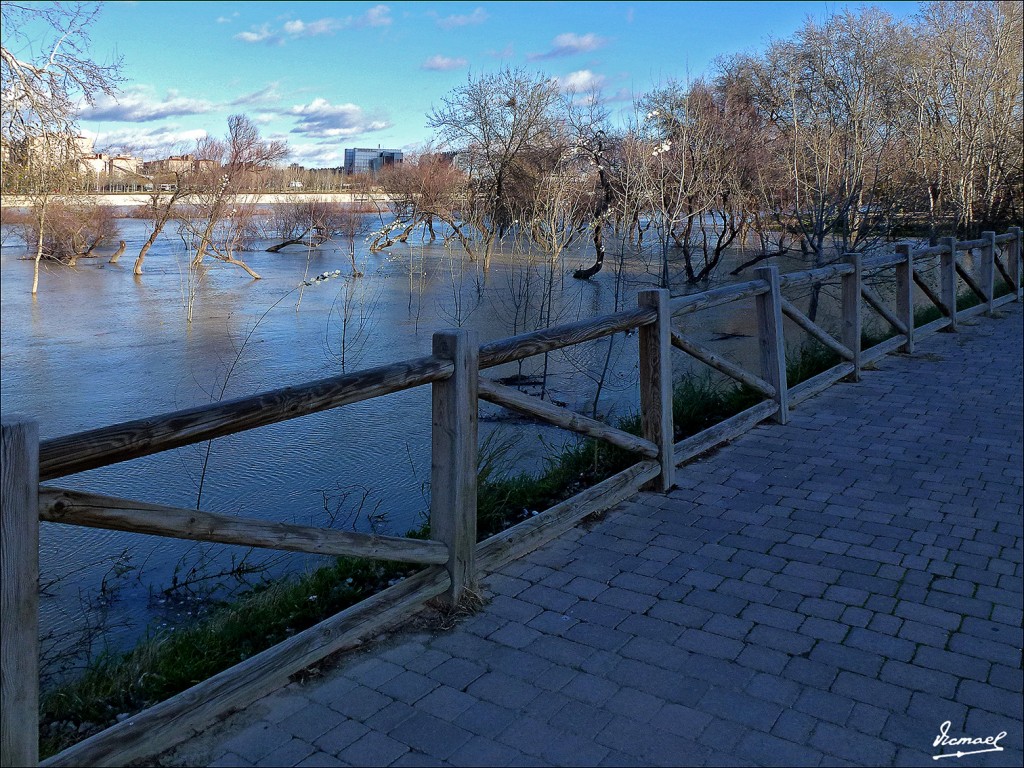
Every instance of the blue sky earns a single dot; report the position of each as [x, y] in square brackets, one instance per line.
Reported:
[330, 75]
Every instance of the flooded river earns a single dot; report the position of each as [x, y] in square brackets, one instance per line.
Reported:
[99, 345]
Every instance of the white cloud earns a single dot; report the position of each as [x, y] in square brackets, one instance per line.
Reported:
[261, 34]
[570, 43]
[140, 104]
[322, 120]
[264, 96]
[316, 155]
[149, 143]
[581, 81]
[478, 16]
[441, 63]
[377, 16]
[227, 19]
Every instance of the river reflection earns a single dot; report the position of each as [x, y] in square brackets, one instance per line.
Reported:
[100, 345]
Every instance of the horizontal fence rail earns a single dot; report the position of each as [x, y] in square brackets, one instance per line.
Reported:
[453, 558]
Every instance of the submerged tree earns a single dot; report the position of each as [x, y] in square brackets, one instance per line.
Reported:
[495, 123]
[219, 212]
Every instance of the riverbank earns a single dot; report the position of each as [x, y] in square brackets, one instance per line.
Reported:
[131, 199]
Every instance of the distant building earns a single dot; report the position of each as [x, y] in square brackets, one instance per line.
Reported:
[361, 160]
[179, 164]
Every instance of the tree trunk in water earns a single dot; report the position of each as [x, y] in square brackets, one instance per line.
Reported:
[242, 264]
[117, 253]
[158, 227]
[39, 251]
[589, 272]
[296, 241]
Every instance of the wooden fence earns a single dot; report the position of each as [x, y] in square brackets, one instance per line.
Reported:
[453, 558]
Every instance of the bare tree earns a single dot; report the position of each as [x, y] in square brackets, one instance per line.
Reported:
[965, 82]
[219, 211]
[492, 122]
[41, 80]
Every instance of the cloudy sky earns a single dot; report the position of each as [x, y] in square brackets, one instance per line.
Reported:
[329, 75]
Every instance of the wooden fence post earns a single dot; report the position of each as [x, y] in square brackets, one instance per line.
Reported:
[19, 592]
[772, 343]
[988, 270]
[453, 460]
[1016, 252]
[947, 280]
[905, 294]
[851, 311]
[656, 385]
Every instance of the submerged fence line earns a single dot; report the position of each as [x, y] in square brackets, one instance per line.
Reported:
[453, 557]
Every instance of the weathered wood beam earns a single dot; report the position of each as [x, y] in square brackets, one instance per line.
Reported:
[905, 294]
[878, 305]
[947, 280]
[768, 307]
[141, 437]
[19, 592]
[513, 399]
[453, 458]
[524, 537]
[719, 363]
[684, 305]
[852, 288]
[821, 382]
[882, 349]
[655, 364]
[557, 336]
[933, 297]
[790, 310]
[58, 505]
[726, 430]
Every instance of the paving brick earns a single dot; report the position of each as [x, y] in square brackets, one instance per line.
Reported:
[503, 690]
[961, 665]
[633, 703]
[918, 678]
[481, 751]
[256, 741]
[773, 617]
[846, 657]
[824, 705]
[780, 639]
[990, 699]
[408, 687]
[458, 673]
[360, 703]
[707, 644]
[311, 722]
[290, 752]
[878, 643]
[430, 735]
[341, 736]
[849, 745]
[764, 749]
[871, 691]
[739, 708]
[374, 749]
[773, 688]
[319, 760]
[372, 672]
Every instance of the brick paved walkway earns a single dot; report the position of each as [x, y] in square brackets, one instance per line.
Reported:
[824, 593]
